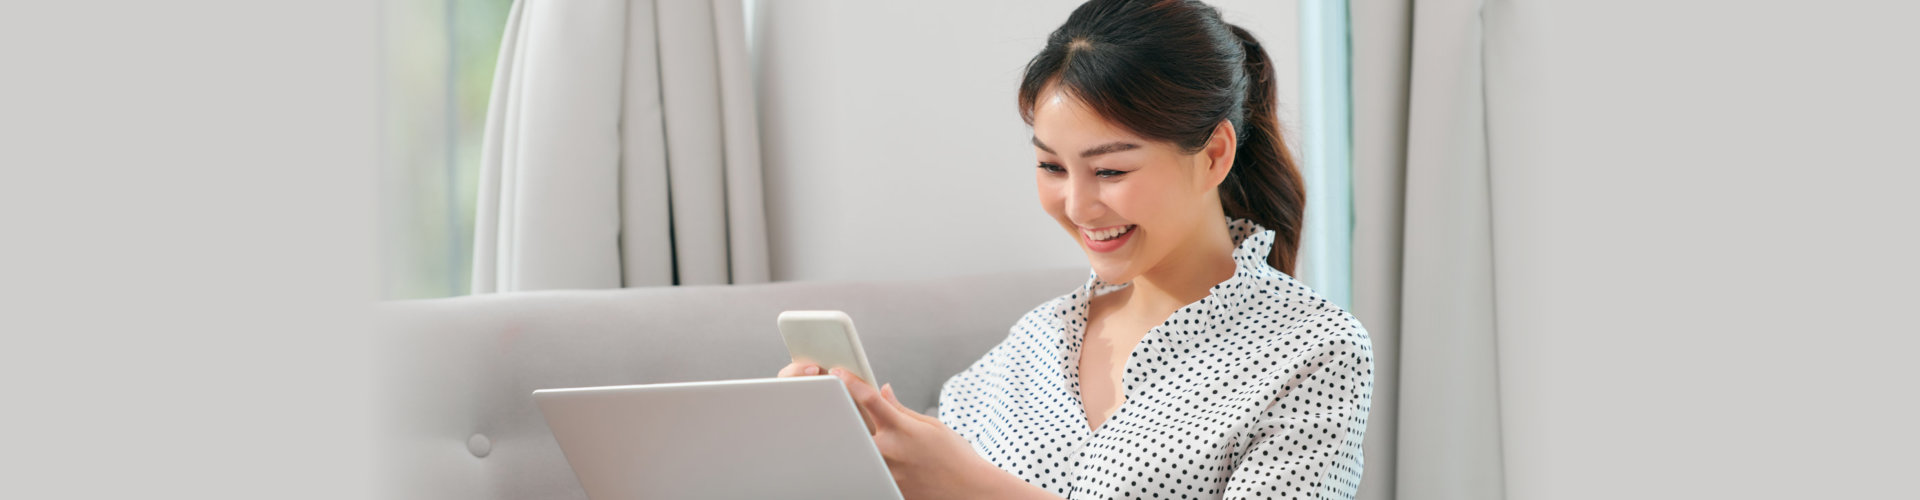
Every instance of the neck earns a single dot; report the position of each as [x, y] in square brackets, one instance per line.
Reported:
[1187, 275]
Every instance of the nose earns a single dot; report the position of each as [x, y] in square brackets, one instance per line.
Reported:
[1083, 201]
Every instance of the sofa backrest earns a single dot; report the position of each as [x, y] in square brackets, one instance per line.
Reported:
[456, 375]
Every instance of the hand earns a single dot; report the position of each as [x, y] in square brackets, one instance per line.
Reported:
[927, 460]
[803, 369]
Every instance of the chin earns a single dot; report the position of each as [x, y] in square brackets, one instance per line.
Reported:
[1112, 273]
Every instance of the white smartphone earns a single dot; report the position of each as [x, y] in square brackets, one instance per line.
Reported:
[825, 338]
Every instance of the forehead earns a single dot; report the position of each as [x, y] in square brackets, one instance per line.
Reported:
[1061, 119]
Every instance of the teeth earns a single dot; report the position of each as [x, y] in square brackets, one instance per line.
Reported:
[1109, 233]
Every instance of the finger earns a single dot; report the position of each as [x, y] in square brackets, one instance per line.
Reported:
[888, 391]
[883, 414]
[798, 368]
[849, 382]
[895, 400]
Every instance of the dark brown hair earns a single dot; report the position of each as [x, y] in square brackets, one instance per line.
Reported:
[1171, 70]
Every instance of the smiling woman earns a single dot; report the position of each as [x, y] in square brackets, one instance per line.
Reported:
[1192, 363]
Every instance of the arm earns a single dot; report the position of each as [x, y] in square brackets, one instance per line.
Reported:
[928, 461]
[1307, 443]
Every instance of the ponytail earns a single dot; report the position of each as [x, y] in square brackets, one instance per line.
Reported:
[1265, 185]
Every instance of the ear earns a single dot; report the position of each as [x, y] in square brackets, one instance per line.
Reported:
[1216, 156]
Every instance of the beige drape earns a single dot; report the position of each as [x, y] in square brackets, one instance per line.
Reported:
[621, 149]
[1424, 264]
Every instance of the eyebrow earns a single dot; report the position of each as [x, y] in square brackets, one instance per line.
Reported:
[1111, 147]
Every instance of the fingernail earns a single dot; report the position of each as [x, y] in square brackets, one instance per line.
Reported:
[835, 372]
[813, 370]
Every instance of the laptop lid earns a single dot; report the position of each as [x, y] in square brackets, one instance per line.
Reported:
[790, 437]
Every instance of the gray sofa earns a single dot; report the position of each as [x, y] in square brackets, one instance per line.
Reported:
[455, 375]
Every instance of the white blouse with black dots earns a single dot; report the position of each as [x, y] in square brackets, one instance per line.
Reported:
[1259, 390]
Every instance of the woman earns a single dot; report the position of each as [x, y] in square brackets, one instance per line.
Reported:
[1191, 364]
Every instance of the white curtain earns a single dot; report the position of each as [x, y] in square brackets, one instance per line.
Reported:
[1424, 261]
[622, 149]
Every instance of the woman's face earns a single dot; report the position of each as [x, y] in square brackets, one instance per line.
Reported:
[1128, 201]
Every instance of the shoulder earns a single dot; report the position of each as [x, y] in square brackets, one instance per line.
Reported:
[1287, 315]
[1313, 355]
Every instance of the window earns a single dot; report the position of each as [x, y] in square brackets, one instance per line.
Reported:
[1327, 149]
[437, 71]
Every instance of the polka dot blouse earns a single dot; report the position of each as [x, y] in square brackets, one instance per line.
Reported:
[1259, 390]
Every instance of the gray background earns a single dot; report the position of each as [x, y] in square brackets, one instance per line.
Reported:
[1718, 241]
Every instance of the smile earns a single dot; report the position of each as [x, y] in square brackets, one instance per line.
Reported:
[1108, 239]
[1108, 233]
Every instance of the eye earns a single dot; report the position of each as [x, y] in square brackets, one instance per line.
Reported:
[1052, 168]
[1108, 174]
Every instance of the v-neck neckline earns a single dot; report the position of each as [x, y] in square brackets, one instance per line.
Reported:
[1246, 246]
[1079, 332]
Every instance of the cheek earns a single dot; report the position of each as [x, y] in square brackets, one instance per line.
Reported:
[1139, 200]
[1051, 197]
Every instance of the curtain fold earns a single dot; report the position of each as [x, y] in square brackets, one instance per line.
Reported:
[621, 150]
[1381, 34]
[1450, 447]
[1424, 249]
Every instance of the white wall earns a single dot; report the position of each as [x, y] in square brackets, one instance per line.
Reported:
[1706, 238]
[892, 145]
[189, 213]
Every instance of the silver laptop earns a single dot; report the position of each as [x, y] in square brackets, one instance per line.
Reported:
[791, 437]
